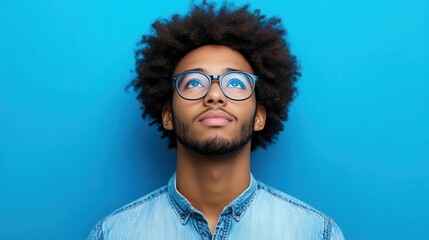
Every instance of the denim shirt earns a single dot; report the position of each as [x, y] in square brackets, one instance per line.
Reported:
[260, 212]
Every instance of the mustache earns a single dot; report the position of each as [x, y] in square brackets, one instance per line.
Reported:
[213, 109]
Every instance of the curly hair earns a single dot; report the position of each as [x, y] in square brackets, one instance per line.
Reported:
[259, 39]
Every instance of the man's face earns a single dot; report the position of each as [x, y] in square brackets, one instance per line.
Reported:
[215, 124]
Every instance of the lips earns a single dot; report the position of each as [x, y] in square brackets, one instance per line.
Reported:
[215, 119]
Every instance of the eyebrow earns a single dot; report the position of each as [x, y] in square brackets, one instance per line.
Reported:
[203, 70]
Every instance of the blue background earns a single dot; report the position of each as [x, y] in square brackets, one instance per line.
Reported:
[73, 146]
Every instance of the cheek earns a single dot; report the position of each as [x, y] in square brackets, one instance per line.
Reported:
[246, 109]
[184, 109]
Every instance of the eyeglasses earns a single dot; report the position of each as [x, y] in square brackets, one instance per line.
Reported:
[235, 85]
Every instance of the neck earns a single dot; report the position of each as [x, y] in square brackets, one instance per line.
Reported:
[211, 183]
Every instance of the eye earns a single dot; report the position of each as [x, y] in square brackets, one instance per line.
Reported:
[236, 83]
[193, 83]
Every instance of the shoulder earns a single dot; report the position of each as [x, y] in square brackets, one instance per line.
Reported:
[282, 204]
[277, 196]
[143, 201]
[129, 213]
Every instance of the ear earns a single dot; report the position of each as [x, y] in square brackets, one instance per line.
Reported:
[167, 117]
[260, 118]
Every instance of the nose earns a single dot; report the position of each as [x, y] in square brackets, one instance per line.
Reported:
[215, 96]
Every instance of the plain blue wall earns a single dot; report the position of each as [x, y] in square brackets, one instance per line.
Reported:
[73, 146]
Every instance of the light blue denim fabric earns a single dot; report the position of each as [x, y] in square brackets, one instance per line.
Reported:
[259, 213]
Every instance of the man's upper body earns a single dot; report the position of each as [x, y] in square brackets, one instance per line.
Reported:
[218, 84]
[260, 212]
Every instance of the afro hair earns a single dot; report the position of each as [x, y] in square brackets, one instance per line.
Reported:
[259, 39]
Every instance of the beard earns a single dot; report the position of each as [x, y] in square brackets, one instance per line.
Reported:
[216, 147]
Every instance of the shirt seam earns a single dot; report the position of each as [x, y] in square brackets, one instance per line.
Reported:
[142, 201]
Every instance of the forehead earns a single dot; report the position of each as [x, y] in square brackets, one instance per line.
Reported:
[214, 59]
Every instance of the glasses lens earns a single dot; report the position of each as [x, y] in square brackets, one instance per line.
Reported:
[237, 85]
[192, 85]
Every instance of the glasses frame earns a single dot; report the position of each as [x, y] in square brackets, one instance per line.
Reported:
[211, 78]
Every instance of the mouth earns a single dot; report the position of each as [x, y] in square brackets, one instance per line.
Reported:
[215, 118]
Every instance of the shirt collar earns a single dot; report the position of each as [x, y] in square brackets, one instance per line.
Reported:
[237, 207]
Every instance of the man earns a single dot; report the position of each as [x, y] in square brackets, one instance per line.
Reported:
[218, 84]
